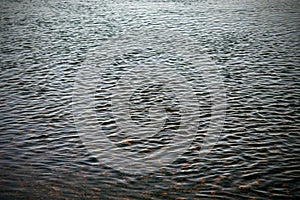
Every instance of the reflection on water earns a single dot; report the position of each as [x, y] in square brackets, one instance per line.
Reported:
[255, 46]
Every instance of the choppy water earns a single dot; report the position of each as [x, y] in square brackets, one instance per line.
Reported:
[250, 49]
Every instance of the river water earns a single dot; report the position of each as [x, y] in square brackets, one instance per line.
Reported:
[223, 74]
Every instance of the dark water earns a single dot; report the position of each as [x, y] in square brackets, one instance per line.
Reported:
[254, 47]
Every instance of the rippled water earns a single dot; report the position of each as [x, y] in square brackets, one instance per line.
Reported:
[249, 49]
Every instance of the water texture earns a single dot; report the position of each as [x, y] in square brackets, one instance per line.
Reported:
[225, 71]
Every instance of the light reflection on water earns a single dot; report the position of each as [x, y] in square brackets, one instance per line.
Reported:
[255, 46]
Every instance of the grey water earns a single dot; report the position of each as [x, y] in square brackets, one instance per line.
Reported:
[251, 46]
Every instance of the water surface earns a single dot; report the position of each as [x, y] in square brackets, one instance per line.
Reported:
[254, 46]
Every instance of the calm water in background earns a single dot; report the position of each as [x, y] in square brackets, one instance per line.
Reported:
[254, 43]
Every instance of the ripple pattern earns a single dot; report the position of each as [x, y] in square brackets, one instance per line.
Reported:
[254, 48]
